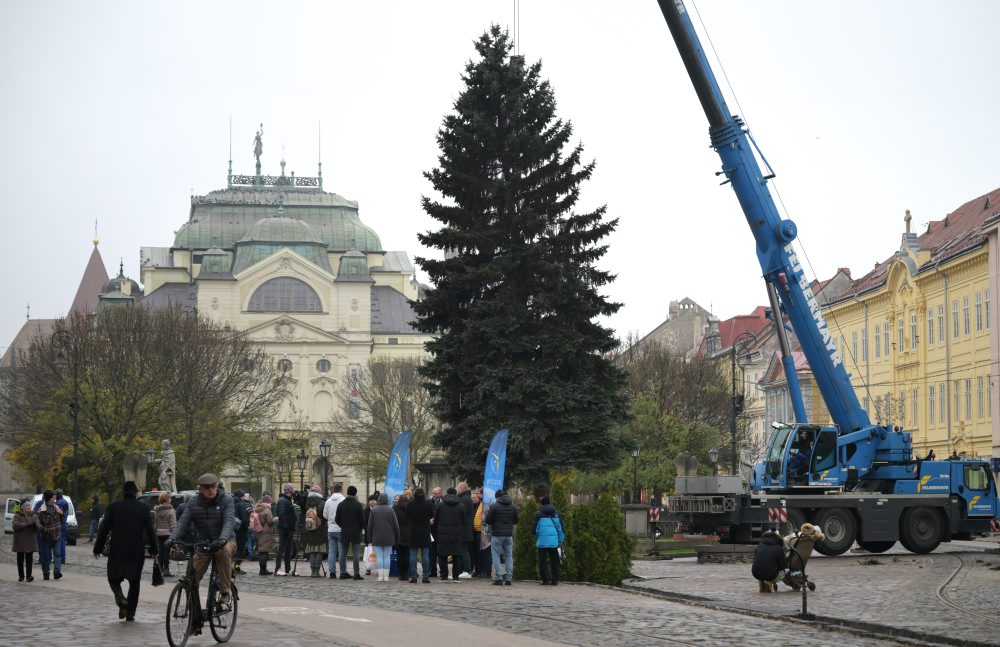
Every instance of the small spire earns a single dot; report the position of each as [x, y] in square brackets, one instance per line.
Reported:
[95, 239]
[907, 218]
[121, 268]
[27, 315]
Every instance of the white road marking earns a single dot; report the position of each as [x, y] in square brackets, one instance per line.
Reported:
[303, 611]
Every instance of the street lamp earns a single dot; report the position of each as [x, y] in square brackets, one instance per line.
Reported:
[635, 480]
[302, 459]
[324, 451]
[713, 458]
[743, 341]
[66, 341]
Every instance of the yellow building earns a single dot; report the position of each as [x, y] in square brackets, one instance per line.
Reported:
[915, 333]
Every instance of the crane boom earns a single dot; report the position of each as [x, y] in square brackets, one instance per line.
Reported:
[774, 236]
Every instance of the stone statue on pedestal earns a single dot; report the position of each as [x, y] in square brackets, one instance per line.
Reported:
[168, 468]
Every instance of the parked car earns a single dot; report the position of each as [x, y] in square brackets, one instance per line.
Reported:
[152, 499]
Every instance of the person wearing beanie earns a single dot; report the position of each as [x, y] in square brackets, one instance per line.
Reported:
[769, 561]
[25, 527]
[501, 519]
[48, 549]
[285, 519]
[265, 538]
[549, 536]
[383, 533]
[129, 521]
[350, 516]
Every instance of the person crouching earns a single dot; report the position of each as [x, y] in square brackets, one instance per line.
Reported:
[769, 561]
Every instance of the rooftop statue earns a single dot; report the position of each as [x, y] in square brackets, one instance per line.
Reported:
[258, 145]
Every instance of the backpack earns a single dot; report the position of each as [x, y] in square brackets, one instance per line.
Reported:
[49, 525]
[312, 520]
[255, 523]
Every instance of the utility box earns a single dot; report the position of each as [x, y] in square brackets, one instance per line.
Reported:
[636, 519]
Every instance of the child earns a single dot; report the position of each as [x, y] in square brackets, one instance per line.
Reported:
[25, 539]
[769, 561]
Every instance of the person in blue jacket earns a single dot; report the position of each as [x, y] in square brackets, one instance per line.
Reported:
[549, 536]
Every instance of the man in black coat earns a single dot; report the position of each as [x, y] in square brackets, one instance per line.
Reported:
[450, 522]
[769, 561]
[351, 519]
[285, 513]
[126, 520]
[468, 535]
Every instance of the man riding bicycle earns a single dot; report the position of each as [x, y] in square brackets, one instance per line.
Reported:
[212, 514]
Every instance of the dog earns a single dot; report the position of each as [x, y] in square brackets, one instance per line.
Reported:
[803, 542]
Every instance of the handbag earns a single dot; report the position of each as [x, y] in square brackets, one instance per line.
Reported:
[562, 554]
[157, 573]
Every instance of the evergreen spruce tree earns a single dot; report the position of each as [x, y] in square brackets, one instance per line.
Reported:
[516, 297]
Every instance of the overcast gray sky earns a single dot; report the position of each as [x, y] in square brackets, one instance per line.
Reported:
[119, 110]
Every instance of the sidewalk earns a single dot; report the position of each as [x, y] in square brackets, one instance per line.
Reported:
[952, 594]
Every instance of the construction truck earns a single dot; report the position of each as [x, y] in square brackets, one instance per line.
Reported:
[857, 480]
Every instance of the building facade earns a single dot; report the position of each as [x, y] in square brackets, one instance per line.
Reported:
[295, 268]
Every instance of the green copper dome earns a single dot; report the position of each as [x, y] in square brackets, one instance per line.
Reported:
[222, 218]
[268, 236]
[353, 267]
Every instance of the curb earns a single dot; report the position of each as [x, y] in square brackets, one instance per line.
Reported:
[855, 627]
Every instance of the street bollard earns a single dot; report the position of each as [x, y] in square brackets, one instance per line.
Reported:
[805, 585]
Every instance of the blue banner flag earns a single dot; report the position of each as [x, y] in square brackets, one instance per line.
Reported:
[399, 459]
[496, 461]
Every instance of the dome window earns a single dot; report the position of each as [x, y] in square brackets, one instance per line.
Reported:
[285, 294]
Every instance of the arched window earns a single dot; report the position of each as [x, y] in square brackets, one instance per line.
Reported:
[285, 294]
[284, 366]
[323, 365]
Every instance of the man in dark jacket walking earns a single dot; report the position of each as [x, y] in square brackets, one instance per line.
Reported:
[350, 517]
[501, 519]
[769, 561]
[285, 513]
[449, 521]
[127, 521]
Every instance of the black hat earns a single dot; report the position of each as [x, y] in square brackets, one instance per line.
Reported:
[238, 494]
[46, 495]
[352, 491]
[373, 497]
[452, 490]
[130, 487]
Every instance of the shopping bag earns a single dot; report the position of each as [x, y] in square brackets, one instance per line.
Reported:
[369, 554]
[157, 573]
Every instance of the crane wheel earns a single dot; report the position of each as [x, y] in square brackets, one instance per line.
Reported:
[840, 529]
[920, 530]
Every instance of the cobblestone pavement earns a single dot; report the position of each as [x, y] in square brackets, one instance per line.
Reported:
[950, 596]
[525, 613]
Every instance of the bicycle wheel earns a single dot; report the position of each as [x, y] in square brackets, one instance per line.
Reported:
[179, 616]
[222, 617]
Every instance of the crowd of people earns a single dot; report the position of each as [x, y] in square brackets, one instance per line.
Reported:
[450, 536]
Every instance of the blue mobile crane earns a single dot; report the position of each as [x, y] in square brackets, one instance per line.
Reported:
[855, 479]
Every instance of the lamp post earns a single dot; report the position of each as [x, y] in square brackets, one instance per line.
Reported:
[150, 457]
[324, 451]
[302, 459]
[713, 458]
[635, 480]
[743, 340]
[66, 341]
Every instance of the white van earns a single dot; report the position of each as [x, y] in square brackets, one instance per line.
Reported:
[72, 529]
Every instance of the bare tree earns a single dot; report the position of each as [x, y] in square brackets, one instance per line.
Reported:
[378, 402]
[143, 375]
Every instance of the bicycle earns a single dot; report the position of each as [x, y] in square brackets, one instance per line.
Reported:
[185, 616]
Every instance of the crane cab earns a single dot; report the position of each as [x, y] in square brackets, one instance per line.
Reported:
[798, 456]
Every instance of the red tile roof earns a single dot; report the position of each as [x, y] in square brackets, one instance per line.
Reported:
[959, 232]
